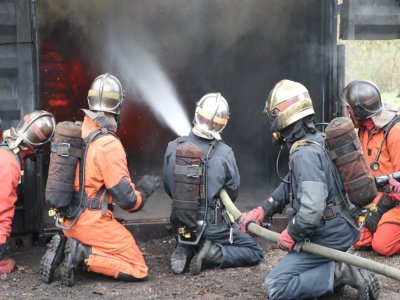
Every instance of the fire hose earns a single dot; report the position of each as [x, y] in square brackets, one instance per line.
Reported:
[315, 249]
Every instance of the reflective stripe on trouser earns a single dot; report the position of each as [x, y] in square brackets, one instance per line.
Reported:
[244, 251]
[114, 249]
[300, 276]
[385, 241]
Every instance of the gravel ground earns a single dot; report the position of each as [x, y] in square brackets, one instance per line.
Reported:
[237, 283]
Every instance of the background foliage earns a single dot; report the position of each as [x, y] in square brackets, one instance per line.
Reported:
[377, 61]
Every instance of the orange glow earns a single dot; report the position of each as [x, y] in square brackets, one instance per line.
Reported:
[65, 79]
[58, 102]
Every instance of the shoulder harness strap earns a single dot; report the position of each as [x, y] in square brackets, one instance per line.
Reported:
[386, 131]
[102, 191]
[299, 143]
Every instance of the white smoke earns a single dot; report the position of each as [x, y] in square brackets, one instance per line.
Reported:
[124, 38]
[148, 81]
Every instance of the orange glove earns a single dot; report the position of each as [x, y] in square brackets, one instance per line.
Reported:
[256, 215]
[394, 194]
[286, 242]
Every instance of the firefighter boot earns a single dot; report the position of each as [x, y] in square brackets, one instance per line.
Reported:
[209, 254]
[52, 258]
[181, 256]
[75, 254]
[360, 279]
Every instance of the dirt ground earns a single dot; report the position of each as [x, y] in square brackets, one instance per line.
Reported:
[238, 283]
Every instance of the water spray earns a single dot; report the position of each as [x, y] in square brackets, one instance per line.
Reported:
[148, 81]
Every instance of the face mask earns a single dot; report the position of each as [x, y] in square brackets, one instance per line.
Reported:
[368, 124]
[353, 118]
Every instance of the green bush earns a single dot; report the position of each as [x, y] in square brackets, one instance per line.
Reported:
[377, 61]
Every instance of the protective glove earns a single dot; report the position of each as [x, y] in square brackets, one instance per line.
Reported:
[256, 215]
[372, 218]
[286, 242]
[7, 265]
[147, 185]
[394, 192]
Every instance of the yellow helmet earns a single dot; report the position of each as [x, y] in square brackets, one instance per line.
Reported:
[288, 102]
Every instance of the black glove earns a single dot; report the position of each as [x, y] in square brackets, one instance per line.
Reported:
[372, 219]
[147, 185]
[271, 207]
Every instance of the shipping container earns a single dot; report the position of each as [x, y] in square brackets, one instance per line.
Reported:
[167, 54]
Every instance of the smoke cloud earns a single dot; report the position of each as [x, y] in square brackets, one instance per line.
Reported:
[126, 33]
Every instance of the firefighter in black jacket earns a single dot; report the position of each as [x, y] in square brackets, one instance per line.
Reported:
[311, 191]
[195, 169]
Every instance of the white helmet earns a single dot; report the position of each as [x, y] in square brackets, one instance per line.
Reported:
[212, 114]
[106, 94]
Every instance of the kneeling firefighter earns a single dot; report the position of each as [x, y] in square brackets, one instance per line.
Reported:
[316, 200]
[95, 238]
[16, 145]
[379, 131]
[196, 168]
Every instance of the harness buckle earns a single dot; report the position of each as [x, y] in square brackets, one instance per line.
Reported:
[330, 212]
[93, 204]
[193, 171]
[62, 149]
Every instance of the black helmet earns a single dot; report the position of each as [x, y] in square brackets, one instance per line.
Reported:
[363, 97]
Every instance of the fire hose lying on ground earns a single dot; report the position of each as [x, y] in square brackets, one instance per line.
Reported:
[333, 254]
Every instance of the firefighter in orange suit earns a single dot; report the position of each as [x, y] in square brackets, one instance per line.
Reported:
[97, 240]
[16, 145]
[379, 132]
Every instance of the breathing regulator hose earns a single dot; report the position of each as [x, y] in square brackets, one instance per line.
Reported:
[308, 247]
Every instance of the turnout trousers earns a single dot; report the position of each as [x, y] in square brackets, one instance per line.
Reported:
[114, 249]
[243, 251]
[300, 275]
